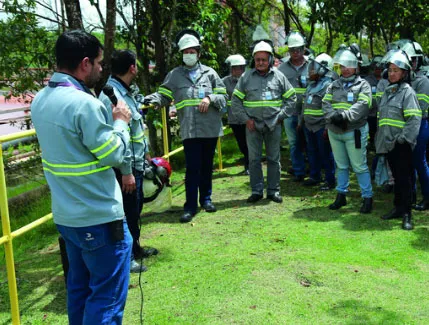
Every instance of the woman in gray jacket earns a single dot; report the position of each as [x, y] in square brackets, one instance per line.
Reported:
[399, 118]
[199, 95]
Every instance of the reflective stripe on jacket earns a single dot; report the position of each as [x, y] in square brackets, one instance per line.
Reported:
[353, 102]
[138, 145]
[78, 148]
[312, 104]
[298, 80]
[187, 95]
[399, 118]
[266, 99]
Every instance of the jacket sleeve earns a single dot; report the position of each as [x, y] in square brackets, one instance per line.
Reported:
[238, 96]
[327, 108]
[219, 96]
[360, 109]
[164, 95]
[289, 99]
[108, 143]
[423, 94]
[413, 116]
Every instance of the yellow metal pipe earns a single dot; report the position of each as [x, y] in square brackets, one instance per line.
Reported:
[32, 225]
[17, 135]
[5, 221]
[172, 153]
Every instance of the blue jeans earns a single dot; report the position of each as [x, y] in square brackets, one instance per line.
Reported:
[199, 154]
[133, 205]
[320, 155]
[255, 140]
[419, 159]
[346, 155]
[99, 270]
[295, 144]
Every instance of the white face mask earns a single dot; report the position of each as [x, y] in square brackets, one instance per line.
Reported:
[190, 59]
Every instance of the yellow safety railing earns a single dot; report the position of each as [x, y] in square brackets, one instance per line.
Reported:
[9, 235]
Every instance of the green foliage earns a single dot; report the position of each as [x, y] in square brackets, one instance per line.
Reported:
[26, 54]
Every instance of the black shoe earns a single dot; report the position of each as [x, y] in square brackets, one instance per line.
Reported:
[422, 206]
[339, 202]
[298, 178]
[275, 198]
[366, 205]
[145, 252]
[136, 267]
[186, 217]
[209, 207]
[387, 188]
[406, 222]
[311, 182]
[254, 198]
[327, 187]
[393, 214]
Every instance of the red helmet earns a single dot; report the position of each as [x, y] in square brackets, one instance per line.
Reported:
[157, 176]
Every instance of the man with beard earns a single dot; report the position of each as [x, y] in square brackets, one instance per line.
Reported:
[79, 148]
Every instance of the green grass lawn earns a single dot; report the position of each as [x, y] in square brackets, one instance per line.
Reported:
[292, 263]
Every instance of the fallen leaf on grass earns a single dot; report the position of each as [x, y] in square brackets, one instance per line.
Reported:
[305, 283]
[253, 307]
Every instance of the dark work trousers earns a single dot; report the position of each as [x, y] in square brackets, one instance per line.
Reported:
[199, 153]
[240, 135]
[400, 160]
[133, 205]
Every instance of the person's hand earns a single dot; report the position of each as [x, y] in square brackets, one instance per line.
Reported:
[204, 105]
[337, 119]
[128, 183]
[121, 112]
[250, 125]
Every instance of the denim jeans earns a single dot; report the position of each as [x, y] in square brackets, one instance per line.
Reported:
[419, 159]
[99, 270]
[133, 205]
[346, 155]
[295, 145]
[255, 140]
[320, 155]
[199, 154]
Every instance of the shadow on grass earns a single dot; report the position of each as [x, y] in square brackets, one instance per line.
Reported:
[355, 312]
[421, 231]
[348, 215]
[33, 273]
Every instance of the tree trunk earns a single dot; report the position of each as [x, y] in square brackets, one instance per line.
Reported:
[286, 16]
[74, 14]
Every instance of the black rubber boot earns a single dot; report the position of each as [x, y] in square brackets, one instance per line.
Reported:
[340, 201]
[393, 214]
[366, 205]
[406, 222]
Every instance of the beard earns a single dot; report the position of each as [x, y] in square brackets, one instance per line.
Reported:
[93, 78]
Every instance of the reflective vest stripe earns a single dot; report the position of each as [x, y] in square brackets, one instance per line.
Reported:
[166, 92]
[341, 105]
[289, 93]
[412, 112]
[221, 91]
[188, 102]
[263, 103]
[239, 94]
[315, 112]
[391, 122]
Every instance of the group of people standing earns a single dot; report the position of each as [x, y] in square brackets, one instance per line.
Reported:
[97, 208]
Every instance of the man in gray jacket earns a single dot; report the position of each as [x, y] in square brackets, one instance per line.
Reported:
[262, 99]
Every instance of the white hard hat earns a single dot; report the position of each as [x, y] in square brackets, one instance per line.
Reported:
[346, 58]
[412, 49]
[262, 47]
[295, 39]
[235, 59]
[325, 60]
[398, 58]
[187, 41]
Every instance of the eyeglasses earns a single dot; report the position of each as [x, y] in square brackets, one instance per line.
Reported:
[393, 70]
[295, 49]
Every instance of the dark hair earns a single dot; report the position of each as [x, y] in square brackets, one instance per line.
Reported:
[75, 45]
[121, 61]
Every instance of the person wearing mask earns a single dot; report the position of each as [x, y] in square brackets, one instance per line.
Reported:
[399, 120]
[199, 96]
[346, 107]
[262, 99]
[295, 70]
[420, 84]
[79, 147]
[320, 75]
[237, 65]
[130, 173]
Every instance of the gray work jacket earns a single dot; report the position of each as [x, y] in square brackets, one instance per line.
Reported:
[353, 102]
[230, 84]
[187, 95]
[267, 99]
[399, 118]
